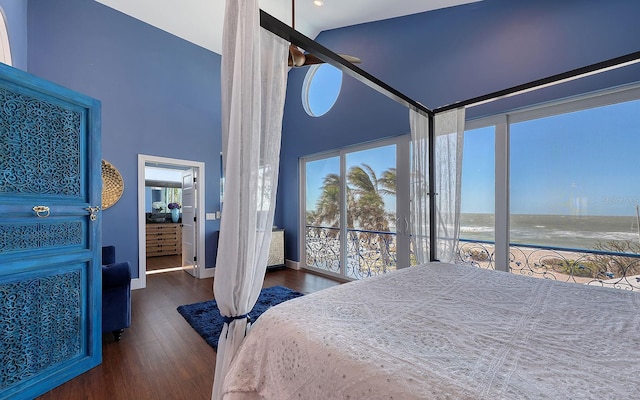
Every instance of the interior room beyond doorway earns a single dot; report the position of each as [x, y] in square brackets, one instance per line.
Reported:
[170, 216]
[163, 203]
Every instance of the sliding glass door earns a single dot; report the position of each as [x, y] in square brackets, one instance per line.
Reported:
[575, 193]
[323, 214]
[566, 191]
[356, 201]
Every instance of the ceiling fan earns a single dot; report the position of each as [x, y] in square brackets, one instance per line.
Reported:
[298, 58]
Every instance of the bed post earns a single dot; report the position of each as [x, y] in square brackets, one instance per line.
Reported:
[433, 248]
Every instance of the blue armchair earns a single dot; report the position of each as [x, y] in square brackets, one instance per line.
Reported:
[116, 293]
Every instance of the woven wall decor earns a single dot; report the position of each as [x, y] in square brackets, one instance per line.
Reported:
[112, 185]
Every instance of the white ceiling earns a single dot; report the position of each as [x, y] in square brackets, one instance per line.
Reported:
[200, 21]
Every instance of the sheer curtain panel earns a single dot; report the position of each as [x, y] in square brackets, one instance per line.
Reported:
[420, 185]
[449, 134]
[253, 80]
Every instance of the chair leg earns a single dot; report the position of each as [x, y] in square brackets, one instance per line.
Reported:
[117, 335]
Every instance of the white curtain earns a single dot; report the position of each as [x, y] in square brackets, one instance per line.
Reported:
[254, 78]
[449, 132]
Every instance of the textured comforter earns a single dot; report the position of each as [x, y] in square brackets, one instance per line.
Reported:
[443, 331]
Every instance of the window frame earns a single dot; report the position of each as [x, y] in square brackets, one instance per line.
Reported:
[402, 146]
[306, 89]
[502, 122]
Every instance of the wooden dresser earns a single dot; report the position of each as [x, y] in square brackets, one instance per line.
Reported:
[164, 239]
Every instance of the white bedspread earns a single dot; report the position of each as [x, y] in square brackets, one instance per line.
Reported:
[443, 331]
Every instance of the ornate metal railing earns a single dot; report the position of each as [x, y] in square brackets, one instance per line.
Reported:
[323, 248]
[592, 267]
[478, 253]
[372, 253]
[368, 252]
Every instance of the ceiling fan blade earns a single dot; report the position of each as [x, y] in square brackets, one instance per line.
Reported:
[351, 59]
[296, 56]
[311, 59]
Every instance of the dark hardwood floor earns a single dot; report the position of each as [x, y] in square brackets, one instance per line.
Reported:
[156, 263]
[161, 356]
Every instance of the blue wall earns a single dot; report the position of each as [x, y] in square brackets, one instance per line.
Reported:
[160, 96]
[450, 55]
[15, 12]
[155, 87]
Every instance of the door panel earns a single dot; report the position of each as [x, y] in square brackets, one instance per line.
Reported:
[323, 215]
[188, 222]
[50, 280]
[356, 210]
[370, 176]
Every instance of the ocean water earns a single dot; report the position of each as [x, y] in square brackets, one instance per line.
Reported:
[576, 232]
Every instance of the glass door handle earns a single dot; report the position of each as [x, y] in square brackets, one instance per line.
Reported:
[404, 231]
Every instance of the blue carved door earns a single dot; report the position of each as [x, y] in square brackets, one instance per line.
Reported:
[50, 272]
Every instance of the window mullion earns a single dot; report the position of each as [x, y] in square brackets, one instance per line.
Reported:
[501, 251]
[343, 214]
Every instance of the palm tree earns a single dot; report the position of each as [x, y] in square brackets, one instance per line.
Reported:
[368, 207]
[388, 181]
[365, 205]
[327, 212]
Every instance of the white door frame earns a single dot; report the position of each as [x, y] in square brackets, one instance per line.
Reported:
[5, 48]
[141, 281]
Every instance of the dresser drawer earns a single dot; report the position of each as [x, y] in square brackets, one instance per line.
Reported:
[163, 239]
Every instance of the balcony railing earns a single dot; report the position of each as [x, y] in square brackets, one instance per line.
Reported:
[323, 248]
[372, 253]
[592, 267]
[368, 252]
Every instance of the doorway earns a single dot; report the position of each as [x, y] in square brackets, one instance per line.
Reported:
[355, 204]
[162, 192]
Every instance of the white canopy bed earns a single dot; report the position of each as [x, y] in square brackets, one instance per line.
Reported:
[434, 331]
[444, 331]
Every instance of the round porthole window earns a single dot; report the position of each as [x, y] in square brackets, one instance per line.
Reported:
[321, 88]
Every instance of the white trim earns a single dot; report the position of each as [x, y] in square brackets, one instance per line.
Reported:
[141, 281]
[501, 208]
[5, 48]
[502, 123]
[306, 88]
[302, 213]
[403, 203]
[600, 98]
[207, 273]
[554, 83]
[292, 264]
[402, 143]
[344, 210]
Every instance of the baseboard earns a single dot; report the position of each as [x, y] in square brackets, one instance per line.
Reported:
[136, 283]
[292, 264]
[207, 273]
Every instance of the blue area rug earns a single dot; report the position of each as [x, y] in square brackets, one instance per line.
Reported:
[205, 317]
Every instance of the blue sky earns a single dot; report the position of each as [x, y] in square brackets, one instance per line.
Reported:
[324, 89]
[380, 159]
[581, 163]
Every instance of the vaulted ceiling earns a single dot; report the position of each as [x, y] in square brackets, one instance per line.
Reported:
[200, 21]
